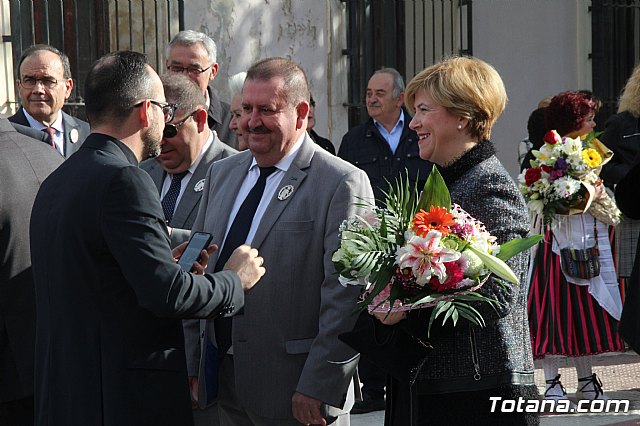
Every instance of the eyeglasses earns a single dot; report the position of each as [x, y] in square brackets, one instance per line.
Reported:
[30, 82]
[171, 130]
[190, 70]
[169, 110]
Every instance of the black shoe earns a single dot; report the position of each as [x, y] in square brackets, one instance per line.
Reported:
[368, 405]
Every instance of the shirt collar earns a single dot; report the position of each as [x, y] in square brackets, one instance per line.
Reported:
[287, 160]
[57, 124]
[207, 144]
[400, 122]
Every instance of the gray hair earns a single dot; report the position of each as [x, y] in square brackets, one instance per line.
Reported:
[236, 82]
[180, 89]
[190, 38]
[398, 81]
[64, 59]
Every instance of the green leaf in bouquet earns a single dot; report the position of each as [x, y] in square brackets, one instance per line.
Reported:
[380, 278]
[470, 314]
[517, 245]
[495, 265]
[435, 192]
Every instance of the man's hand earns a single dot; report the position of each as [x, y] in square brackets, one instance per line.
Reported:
[198, 267]
[306, 410]
[247, 264]
[193, 385]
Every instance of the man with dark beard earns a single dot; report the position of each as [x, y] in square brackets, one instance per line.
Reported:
[109, 294]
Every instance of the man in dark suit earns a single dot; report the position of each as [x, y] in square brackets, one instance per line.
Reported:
[24, 164]
[188, 148]
[386, 149]
[109, 345]
[283, 363]
[44, 84]
[194, 53]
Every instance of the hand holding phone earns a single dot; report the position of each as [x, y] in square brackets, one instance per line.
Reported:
[199, 241]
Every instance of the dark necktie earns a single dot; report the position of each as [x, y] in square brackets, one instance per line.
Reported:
[52, 133]
[235, 238]
[170, 198]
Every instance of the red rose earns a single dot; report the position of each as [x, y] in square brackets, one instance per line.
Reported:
[454, 276]
[552, 137]
[532, 175]
[545, 168]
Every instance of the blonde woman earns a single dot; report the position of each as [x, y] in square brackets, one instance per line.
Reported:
[456, 102]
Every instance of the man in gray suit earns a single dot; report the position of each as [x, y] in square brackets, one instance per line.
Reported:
[283, 362]
[44, 84]
[24, 164]
[188, 148]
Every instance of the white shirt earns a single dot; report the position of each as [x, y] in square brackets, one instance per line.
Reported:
[272, 184]
[57, 125]
[187, 178]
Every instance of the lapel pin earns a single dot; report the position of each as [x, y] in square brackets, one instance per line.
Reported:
[199, 186]
[285, 192]
[73, 135]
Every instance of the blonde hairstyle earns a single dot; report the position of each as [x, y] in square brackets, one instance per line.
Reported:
[630, 98]
[467, 87]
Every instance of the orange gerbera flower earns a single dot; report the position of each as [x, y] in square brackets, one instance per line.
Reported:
[438, 218]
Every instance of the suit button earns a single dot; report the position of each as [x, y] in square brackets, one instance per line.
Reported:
[386, 158]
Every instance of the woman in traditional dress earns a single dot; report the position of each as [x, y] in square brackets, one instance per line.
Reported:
[569, 316]
[456, 102]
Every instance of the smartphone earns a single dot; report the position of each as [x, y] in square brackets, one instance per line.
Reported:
[198, 242]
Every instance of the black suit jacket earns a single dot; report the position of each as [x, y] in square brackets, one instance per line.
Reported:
[364, 147]
[109, 345]
[219, 117]
[24, 164]
[71, 125]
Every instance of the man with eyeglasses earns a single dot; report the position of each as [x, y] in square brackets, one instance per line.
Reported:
[188, 148]
[44, 84]
[194, 54]
[109, 294]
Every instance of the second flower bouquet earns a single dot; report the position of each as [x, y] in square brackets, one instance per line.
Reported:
[421, 250]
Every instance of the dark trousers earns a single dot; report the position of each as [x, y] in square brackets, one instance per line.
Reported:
[17, 413]
[373, 379]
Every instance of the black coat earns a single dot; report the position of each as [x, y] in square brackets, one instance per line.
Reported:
[364, 147]
[109, 346]
[622, 136]
[219, 117]
[24, 164]
[629, 203]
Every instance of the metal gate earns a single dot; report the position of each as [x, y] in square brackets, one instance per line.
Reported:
[87, 29]
[407, 35]
[616, 49]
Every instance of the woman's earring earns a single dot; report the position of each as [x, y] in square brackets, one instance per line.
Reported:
[459, 126]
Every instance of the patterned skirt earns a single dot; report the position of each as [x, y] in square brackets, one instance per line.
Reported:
[564, 319]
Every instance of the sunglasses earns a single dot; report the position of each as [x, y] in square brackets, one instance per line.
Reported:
[171, 130]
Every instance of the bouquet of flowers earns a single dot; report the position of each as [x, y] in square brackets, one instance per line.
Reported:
[422, 251]
[563, 176]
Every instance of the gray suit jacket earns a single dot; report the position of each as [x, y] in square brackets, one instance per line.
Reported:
[71, 125]
[286, 340]
[187, 208]
[24, 164]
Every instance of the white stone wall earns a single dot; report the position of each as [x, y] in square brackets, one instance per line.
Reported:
[540, 48]
[8, 104]
[311, 33]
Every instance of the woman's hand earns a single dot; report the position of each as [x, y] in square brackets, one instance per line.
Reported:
[600, 191]
[390, 318]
